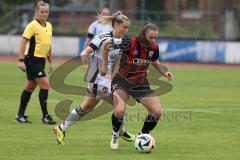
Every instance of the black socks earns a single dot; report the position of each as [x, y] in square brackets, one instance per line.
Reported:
[116, 123]
[149, 124]
[25, 97]
[43, 96]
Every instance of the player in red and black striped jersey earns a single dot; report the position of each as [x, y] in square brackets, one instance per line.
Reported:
[134, 63]
[131, 79]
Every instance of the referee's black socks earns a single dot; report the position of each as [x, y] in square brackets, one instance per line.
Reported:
[149, 124]
[25, 97]
[43, 96]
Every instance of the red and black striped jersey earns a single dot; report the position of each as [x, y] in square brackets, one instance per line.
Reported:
[134, 63]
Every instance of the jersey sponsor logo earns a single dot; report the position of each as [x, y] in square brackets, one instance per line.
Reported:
[113, 53]
[112, 57]
[140, 62]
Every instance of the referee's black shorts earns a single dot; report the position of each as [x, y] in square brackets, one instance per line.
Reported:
[34, 67]
[137, 91]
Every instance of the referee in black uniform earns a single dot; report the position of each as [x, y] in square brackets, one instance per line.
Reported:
[34, 49]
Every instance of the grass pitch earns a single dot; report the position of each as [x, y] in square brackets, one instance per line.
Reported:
[201, 121]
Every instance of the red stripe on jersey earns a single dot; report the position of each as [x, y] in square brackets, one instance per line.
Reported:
[134, 64]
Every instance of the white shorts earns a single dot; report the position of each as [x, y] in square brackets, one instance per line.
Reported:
[100, 88]
[93, 67]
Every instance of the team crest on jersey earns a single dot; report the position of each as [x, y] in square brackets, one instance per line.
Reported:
[104, 89]
[135, 52]
[150, 54]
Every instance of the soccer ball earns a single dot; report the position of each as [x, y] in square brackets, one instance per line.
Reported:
[144, 143]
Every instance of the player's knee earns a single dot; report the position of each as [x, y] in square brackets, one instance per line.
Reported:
[30, 88]
[46, 87]
[119, 112]
[43, 83]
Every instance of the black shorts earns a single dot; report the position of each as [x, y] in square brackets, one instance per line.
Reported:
[137, 91]
[34, 67]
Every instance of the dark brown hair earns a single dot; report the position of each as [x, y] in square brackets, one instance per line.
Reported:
[144, 30]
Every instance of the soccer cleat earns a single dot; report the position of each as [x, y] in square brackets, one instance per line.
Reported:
[59, 134]
[48, 120]
[25, 116]
[127, 136]
[114, 142]
[22, 119]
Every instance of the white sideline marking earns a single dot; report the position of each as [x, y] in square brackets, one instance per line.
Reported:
[192, 110]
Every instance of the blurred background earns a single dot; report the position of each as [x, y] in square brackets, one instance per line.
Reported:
[205, 19]
[182, 23]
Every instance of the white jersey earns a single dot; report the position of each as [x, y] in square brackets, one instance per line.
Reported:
[94, 77]
[95, 60]
[97, 28]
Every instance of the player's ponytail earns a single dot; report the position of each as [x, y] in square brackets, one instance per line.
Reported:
[104, 19]
[116, 17]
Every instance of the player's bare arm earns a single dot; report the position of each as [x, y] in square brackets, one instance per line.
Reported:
[49, 58]
[85, 53]
[116, 67]
[21, 64]
[105, 50]
[156, 64]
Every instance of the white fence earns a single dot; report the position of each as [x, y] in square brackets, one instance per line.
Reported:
[61, 46]
[170, 50]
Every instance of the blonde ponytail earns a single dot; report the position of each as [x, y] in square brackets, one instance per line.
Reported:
[116, 17]
[104, 19]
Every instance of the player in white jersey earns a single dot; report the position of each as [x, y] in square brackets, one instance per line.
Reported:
[103, 83]
[120, 24]
[98, 27]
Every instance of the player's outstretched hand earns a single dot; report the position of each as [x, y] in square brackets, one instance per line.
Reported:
[169, 75]
[84, 59]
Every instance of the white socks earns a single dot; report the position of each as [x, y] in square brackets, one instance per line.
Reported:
[115, 134]
[74, 116]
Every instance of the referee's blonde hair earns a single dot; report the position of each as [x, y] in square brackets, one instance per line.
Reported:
[117, 17]
[39, 3]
